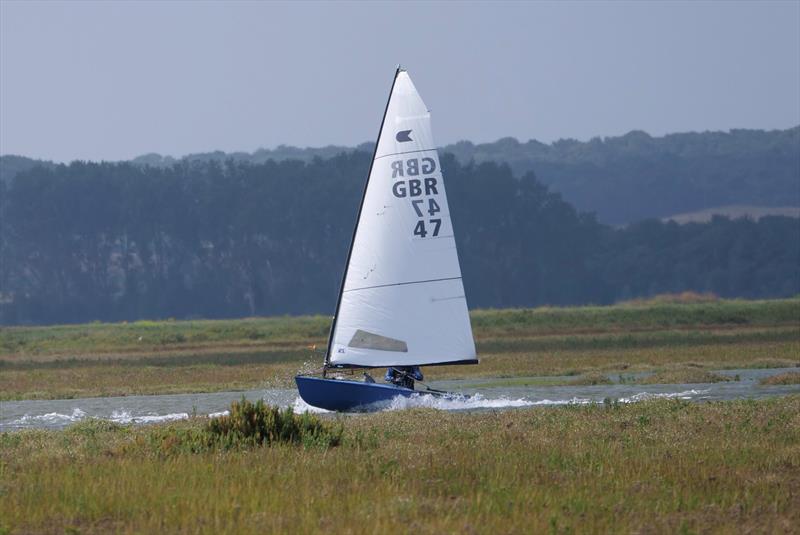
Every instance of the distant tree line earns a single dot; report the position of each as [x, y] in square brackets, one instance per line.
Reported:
[621, 179]
[634, 177]
[117, 241]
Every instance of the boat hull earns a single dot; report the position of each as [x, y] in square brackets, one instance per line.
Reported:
[343, 395]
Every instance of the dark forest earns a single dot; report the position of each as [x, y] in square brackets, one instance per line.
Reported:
[211, 239]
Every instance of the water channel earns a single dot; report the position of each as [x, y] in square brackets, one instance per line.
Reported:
[484, 394]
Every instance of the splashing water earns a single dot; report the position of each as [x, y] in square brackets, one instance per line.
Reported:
[49, 419]
[428, 401]
[477, 402]
[125, 417]
[685, 395]
[164, 408]
[455, 403]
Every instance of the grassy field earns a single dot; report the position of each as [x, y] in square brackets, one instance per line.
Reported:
[788, 378]
[145, 357]
[652, 467]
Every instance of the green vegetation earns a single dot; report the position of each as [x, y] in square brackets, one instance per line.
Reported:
[275, 333]
[654, 466]
[247, 425]
[685, 374]
[210, 239]
[256, 424]
[585, 343]
[787, 378]
[634, 323]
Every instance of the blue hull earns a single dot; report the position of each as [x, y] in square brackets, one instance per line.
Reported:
[343, 395]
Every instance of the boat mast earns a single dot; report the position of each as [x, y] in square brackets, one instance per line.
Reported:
[355, 228]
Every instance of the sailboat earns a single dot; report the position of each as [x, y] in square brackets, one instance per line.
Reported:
[401, 302]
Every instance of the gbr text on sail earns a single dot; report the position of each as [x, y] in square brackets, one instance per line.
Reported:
[419, 191]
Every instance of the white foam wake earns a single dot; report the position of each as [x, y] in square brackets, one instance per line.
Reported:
[55, 419]
[420, 400]
[477, 401]
[644, 396]
[455, 403]
[301, 406]
[51, 418]
[125, 417]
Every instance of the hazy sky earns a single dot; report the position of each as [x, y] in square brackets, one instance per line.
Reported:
[113, 80]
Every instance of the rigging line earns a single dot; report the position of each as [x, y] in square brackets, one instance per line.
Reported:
[401, 284]
[407, 152]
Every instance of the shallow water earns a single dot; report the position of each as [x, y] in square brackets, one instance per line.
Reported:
[484, 394]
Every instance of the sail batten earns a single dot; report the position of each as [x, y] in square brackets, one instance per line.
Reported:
[401, 284]
[402, 299]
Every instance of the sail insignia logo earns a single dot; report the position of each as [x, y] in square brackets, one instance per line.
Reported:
[403, 136]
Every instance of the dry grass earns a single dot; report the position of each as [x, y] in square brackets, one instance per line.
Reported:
[115, 380]
[567, 362]
[680, 298]
[655, 467]
[684, 375]
[179, 357]
[788, 378]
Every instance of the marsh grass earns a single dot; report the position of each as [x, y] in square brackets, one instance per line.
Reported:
[590, 379]
[684, 375]
[171, 357]
[655, 467]
[787, 378]
[150, 336]
[637, 316]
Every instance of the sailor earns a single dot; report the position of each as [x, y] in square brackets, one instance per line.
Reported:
[403, 376]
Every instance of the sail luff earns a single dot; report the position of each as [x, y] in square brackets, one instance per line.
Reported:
[355, 226]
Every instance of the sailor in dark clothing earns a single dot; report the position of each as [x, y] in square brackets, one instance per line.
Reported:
[403, 376]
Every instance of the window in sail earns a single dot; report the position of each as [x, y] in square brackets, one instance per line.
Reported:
[365, 340]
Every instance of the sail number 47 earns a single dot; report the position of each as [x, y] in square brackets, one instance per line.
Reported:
[432, 209]
[420, 231]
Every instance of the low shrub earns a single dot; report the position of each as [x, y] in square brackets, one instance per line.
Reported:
[248, 425]
[257, 424]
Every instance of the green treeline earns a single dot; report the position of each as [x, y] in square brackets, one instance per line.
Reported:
[633, 177]
[115, 241]
[621, 179]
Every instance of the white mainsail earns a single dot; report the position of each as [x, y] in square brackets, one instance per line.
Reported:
[402, 301]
